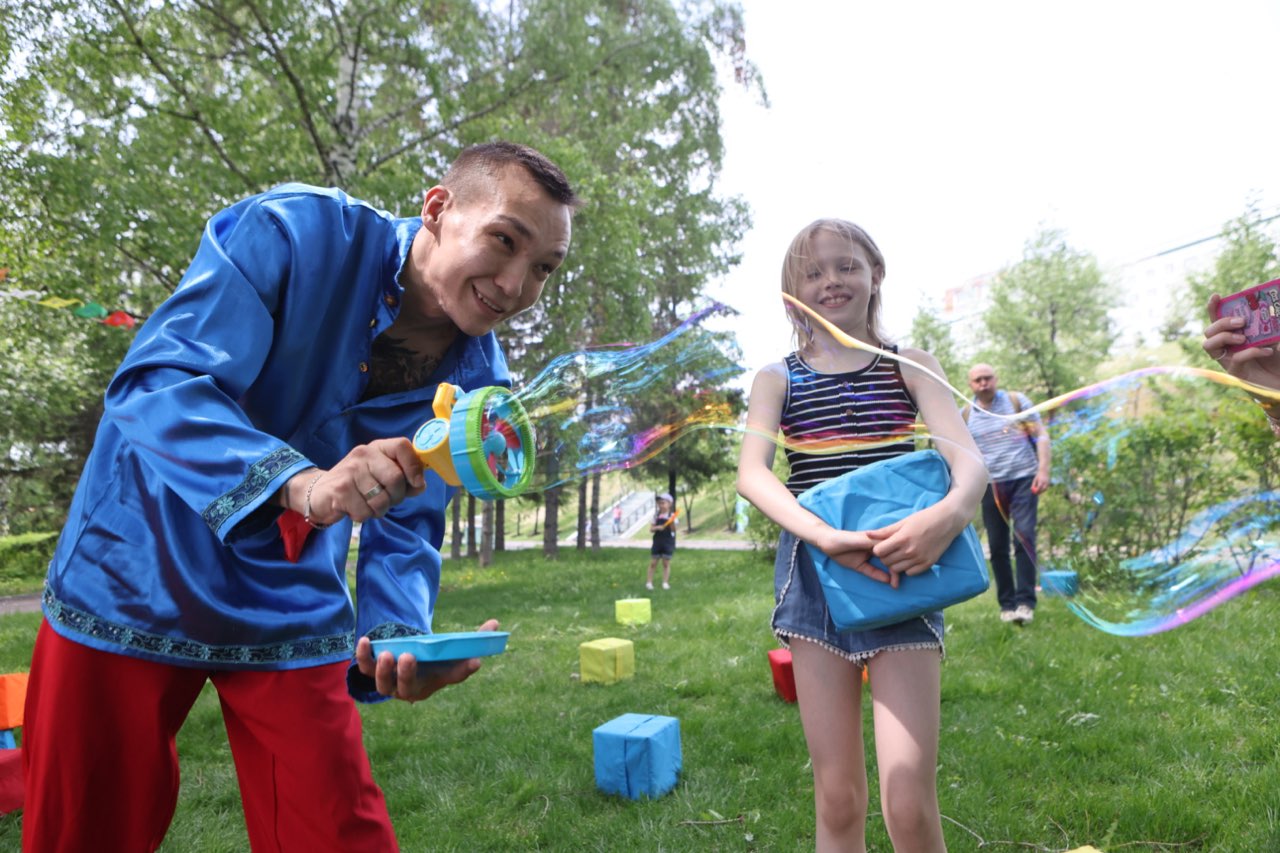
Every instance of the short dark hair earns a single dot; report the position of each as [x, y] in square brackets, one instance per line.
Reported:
[489, 158]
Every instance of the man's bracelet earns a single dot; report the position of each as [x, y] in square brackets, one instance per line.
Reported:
[306, 515]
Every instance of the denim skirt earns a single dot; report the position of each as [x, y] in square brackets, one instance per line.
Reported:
[801, 612]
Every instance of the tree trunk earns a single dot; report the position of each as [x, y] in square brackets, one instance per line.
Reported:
[671, 488]
[486, 534]
[583, 520]
[595, 512]
[500, 525]
[471, 525]
[551, 523]
[455, 549]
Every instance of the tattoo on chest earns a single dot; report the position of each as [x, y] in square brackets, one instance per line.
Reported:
[394, 367]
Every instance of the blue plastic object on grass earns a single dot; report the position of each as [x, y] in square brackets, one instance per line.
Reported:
[442, 647]
[877, 495]
[637, 755]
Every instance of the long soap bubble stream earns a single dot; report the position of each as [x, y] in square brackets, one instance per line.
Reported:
[599, 410]
[1165, 492]
[586, 412]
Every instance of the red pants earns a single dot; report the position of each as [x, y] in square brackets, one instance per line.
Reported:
[101, 761]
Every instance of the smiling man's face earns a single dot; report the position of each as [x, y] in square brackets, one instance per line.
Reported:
[495, 247]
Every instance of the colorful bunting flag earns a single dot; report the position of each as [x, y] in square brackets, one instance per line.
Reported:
[90, 311]
[59, 302]
[118, 318]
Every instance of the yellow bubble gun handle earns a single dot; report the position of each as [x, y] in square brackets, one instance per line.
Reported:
[431, 441]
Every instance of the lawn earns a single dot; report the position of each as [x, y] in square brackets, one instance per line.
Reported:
[1054, 735]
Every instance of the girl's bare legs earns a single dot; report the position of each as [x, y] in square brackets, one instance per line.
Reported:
[666, 572]
[648, 581]
[905, 699]
[829, 689]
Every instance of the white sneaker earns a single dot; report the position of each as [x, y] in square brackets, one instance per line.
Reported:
[649, 585]
[1023, 614]
[1007, 616]
[666, 585]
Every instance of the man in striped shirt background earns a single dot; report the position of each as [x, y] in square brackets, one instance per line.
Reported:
[1017, 454]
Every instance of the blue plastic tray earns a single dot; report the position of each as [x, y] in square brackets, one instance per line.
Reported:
[438, 647]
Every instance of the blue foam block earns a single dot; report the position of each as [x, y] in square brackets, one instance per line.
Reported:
[7, 740]
[637, 755]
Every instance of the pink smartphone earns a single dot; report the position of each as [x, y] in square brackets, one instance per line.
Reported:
[1260, 307]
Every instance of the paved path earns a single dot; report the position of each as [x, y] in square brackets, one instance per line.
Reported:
[28, 603]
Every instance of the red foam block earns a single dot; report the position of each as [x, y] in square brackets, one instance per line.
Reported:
[784, 680]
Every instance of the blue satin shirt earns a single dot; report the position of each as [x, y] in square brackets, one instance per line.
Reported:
[250, 372]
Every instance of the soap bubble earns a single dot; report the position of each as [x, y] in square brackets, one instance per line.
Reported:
[617, 407]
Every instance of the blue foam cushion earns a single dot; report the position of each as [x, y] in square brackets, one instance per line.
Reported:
[637, 755]
[877, 495]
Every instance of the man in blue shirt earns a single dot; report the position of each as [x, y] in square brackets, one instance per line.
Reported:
[1017, 454]
[261, 410]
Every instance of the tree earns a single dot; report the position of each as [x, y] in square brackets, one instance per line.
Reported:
[48, 426]
[661, 232]
[934, 337]
[486, 535]
[128, 123]
[1249, 256]
[455, 548]
[55, 369]
[1047, 326]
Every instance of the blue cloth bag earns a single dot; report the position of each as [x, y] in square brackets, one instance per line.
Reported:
[877, 495]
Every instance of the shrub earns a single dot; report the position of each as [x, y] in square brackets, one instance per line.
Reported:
[24, 559]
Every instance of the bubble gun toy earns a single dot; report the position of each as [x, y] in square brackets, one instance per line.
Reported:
[481, 440]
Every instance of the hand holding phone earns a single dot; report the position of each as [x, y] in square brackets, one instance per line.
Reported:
[1260, 308]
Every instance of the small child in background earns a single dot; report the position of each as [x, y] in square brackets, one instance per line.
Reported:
[828, 392]
[664, 540]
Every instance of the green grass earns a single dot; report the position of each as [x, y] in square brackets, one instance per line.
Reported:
[1053, 736]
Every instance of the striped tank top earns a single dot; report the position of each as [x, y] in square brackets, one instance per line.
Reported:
[833, 410]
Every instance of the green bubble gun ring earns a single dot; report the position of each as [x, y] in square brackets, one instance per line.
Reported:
[481, 440]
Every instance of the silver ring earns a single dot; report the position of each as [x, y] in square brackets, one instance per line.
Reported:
[373, 493]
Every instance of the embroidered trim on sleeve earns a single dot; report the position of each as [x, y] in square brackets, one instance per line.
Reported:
[261, 473]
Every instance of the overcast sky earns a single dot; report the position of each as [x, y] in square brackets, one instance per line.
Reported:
[954, 131]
